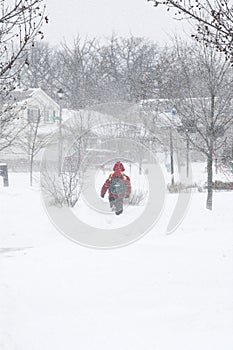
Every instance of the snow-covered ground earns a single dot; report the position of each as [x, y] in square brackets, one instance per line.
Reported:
[162, 292]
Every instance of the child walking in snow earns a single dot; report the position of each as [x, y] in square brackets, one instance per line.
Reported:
[118, 186]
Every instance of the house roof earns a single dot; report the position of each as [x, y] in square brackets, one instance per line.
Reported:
[22, 95]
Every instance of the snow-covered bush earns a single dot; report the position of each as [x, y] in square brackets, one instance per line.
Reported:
[63, 190]
[138, 197]
[52, 189]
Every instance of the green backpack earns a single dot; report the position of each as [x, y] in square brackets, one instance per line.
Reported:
[117, 185]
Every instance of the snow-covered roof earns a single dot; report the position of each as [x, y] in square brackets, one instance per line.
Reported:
[23, 95]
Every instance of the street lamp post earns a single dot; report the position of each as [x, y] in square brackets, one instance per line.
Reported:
[60, 95]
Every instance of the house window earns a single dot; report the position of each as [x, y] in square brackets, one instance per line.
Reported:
[55, 116]
[49, 116]
[33, 115]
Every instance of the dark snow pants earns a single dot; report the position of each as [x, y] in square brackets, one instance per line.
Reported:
[116, 204]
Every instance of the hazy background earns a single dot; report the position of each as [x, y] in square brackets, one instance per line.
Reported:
[101, 18]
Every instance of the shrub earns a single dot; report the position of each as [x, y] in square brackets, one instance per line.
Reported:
[138, 197]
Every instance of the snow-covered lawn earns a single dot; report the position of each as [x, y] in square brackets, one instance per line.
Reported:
[162, 292]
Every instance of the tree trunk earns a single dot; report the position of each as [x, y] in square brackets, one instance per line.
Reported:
[209, 202]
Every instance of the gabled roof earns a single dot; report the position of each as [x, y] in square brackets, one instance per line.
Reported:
[22, 95]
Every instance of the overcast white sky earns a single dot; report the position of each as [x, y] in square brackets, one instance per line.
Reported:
[99, 18]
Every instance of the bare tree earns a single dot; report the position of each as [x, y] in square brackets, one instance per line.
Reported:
[205, 111]
[32, 141]
[38, 73]
[64, 188]
[92, 73]
[20, 23]
[76, 71]
[213, 21]
[129, 68]
[139, 58]
[9, 128]
[200, 92]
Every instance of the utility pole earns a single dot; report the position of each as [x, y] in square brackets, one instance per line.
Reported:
[60, 95]
[173, 113]
[187, 155]
[171, 157]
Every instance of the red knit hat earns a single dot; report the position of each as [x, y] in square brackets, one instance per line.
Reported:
[118, 166]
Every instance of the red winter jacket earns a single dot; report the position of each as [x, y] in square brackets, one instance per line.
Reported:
[118, 172]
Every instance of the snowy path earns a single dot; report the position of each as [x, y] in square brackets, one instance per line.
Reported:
[160, 293]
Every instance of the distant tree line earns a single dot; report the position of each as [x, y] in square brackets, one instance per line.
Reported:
[90, 73]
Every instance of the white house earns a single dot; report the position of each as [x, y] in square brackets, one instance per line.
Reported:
[31, 105]
[36, 103]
